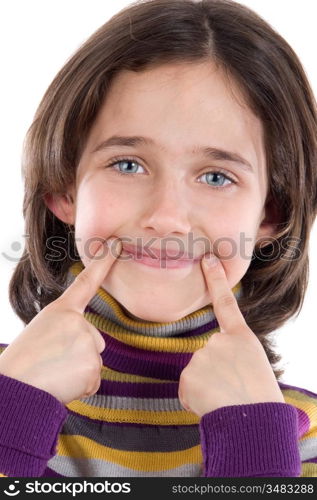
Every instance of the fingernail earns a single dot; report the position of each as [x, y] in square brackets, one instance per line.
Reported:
[99, 251]
[115, 244]
[210, 260]
[110, 241]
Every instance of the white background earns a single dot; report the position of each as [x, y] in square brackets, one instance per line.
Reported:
[36, 38]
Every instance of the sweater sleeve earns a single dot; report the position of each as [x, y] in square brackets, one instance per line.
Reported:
[31, 420]
[251, 440]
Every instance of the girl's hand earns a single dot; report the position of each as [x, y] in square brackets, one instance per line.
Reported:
[59, 350]
[232, 368]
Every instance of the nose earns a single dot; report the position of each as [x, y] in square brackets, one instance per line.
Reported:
[167, 210]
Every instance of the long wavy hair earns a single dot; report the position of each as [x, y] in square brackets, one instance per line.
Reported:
[149, 33]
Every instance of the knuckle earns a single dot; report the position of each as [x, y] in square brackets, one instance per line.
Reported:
[184, 376]
[97, 365]
[181, 380]
[92, 370]
[87, 341]
[82, 342]
[97, 338]
[83, 280]
[91, 390]
[227, 300]
[94, 381]
[215, 337]
[102, 345]
[74, 319]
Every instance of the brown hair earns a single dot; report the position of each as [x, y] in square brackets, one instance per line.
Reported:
[154, 32]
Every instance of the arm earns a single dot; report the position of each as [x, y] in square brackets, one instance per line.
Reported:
[35, 388]
[31, 420]
[251, 440]
[246, 427]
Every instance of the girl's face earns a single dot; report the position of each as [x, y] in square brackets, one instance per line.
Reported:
[196, 183]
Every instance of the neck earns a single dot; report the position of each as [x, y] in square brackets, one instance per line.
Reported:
[113, 315]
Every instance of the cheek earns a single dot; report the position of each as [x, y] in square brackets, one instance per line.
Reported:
[235, 256]
[234, 243]
[235, 237]
[98, 216]
[235, 247]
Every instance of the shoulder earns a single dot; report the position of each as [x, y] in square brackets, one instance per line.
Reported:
[305, 402]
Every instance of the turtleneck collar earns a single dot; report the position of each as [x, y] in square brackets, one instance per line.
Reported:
[112, 316]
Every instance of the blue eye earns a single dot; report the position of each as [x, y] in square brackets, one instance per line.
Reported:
[214, 177]
[211, 176]
[127, 162]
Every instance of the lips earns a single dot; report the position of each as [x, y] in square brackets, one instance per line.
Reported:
[159, 254]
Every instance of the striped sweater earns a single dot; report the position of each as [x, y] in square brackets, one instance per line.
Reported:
[135, 425]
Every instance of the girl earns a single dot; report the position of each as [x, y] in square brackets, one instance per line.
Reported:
[179, 129]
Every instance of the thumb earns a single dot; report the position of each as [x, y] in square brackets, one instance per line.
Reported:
[87, 283]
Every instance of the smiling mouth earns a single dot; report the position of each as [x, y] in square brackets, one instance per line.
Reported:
[157, 261]
[158, 255]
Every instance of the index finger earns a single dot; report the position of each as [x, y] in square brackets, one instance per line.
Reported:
[87, 283]
[224, 302]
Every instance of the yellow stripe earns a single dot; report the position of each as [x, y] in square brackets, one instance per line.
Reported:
[310, 434]
[299, 403]
[105, 297]
[170, 344]
[77, 267]
[182, 417]
[299, 396]
[305, 404]
[73, 446]
[108, 374]
[309, 470]
[146, 342]
[2, 475]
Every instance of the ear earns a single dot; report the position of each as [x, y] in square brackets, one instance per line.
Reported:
[269, 223]
[62, 206]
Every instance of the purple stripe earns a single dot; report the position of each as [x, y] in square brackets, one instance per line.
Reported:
[143, 367]
[120, 424]
[89, 309]
[128, 359]
[303, 419]
[171, 358]
[303, 422]
[211, 325]
[299, 389]
[51, 473]
[169, 390]
[141, 390]
[310, 460]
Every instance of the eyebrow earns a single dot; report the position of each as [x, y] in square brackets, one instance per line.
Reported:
[208, 151]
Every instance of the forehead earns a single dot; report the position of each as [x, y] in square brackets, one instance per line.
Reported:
[180, 105]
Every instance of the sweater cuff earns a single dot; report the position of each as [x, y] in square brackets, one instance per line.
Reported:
[251, 440]
[31, 420]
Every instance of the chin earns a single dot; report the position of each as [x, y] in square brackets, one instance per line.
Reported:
[159, 305]
[159, 318]
[159, 314]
